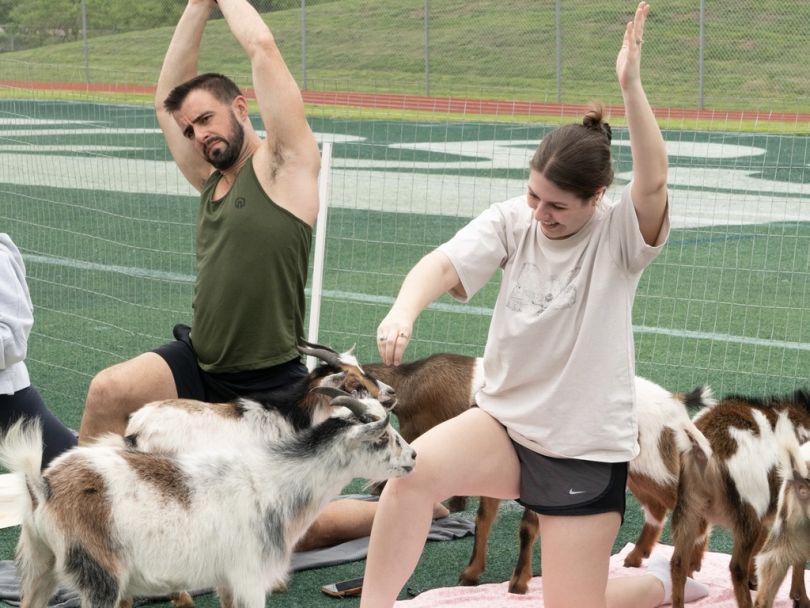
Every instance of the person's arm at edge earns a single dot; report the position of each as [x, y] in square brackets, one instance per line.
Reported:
[180, 65]
[16, 315]
[649, 188]
[432, 276]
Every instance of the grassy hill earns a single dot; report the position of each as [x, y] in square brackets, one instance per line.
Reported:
[754, 51]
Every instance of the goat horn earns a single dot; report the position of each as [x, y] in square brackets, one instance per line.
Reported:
[324, 353]
[330, 391]
[356, 406]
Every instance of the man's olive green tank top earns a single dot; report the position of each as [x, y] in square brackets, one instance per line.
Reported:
[249, 297]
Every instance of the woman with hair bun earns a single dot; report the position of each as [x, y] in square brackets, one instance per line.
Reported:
[555, 423]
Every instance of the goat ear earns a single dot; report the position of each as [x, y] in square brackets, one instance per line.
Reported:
[336, 380]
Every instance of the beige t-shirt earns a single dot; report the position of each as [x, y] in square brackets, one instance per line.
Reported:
[559, 360]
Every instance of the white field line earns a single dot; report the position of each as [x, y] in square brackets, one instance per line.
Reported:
[348, 296]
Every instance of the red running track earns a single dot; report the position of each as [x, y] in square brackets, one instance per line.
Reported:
[447, 105]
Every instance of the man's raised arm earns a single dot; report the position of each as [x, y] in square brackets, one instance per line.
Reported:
[180, 65]
[280, 103]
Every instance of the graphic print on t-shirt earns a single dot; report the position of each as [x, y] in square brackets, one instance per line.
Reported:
[535, 290]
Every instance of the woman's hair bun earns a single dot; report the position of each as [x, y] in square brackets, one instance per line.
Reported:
[593, 120]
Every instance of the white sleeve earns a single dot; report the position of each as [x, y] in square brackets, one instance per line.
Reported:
[629, 249]
[16, 310]
[478, 249]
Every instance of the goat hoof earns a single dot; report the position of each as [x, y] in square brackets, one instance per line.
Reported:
[800, 602]
[518, 588]
[181, 599]
[468, 581]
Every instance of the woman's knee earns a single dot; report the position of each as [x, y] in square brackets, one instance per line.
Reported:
[414, 487]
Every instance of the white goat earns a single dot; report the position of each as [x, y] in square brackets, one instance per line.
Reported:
[116, 523]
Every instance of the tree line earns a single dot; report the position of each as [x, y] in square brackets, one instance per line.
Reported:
[36, 22]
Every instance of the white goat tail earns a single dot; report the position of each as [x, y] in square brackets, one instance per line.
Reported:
[21, 452]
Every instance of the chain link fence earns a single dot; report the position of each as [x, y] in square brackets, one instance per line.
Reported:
[725, 54]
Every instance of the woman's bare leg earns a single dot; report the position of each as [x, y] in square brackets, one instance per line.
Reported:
[575, 554]
[469, 455]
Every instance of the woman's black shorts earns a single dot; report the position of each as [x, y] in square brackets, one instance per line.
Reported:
[560, 486]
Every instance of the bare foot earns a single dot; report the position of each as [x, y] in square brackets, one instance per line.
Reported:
[439, 511]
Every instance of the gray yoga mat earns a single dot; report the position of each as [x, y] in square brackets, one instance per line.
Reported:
[446, 528]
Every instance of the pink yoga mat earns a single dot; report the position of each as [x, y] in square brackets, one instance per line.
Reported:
[714, 574]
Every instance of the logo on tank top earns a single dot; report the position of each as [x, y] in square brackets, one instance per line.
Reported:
[240, 202]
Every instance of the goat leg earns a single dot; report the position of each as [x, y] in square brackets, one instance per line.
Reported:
[699, 548]
[529, 529]
[484, 518]
[226, 598]
[740, 568]
[181, 599]
[798, 592]
[686, 525]
[35, 563]
[654, 514]
[772, 569]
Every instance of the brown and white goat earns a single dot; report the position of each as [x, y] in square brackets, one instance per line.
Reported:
[663, 421]
[116, 523]
[788, 541]
[438, 387]
[738, 489]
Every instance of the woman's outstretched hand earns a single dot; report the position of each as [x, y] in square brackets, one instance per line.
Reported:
[393, 336]
[628, 62]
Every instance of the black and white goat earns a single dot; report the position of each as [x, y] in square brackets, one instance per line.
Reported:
[177, 425]
[115, 523]
[738, 488]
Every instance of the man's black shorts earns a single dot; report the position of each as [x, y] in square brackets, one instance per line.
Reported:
[194, 383]
[560, 486]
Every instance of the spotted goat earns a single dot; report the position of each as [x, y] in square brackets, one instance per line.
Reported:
[116, 523]
[752, 441]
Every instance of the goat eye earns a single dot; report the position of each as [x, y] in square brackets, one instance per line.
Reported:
[382, 441]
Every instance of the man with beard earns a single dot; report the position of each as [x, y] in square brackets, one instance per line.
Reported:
[259, 199]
